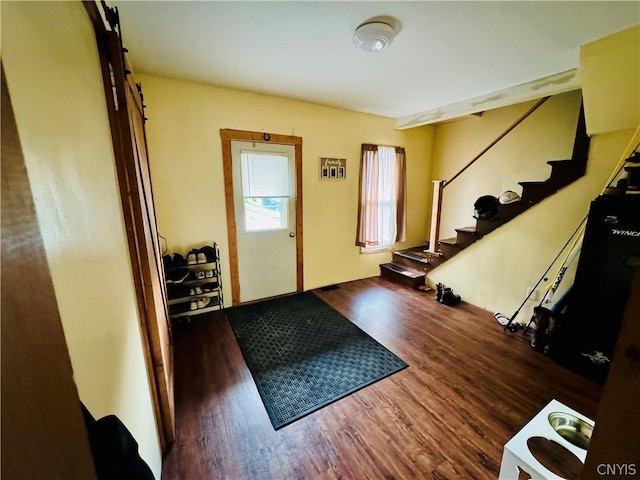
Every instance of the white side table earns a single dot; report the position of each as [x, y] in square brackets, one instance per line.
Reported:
[516, 453]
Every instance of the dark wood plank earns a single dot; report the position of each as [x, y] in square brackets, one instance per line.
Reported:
[468, 389]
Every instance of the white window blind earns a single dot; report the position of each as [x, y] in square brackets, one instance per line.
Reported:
[264, 175]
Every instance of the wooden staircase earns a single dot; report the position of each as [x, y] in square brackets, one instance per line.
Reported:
[409, 267]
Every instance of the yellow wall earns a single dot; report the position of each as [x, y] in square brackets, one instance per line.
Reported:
[495, 272]
[611, 81]
[186, 169]
[54, 79]
[53, 74]
[547, 134]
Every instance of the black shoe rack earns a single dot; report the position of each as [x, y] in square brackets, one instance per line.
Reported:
[194, 282]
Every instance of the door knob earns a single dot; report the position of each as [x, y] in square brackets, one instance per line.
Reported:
[292, 234]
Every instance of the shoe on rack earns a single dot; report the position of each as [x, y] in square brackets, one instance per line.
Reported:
[209, 252]
[178, 276]
[203, 302]
[178, 260]
[198, 290]
[201, 258]
[181, 276]
[166, 260]
[209, 274]
[200, 275]
[210, 287]
[192, 292]
[176, 291]
[191, 258]
[193, 305]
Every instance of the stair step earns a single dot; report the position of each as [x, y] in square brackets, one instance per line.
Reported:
[414, 260]
[418, 258]
[413, 256]
[406, 272]
[563, 172]
[448, 241]
[402, 275]
[533, 183]
[534, 192]
[511, 210]
[582, 141]
[555, 162]
[566, 171]
[450, 247]
[465, 236]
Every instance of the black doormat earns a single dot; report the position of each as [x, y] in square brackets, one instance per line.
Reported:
[304, 355]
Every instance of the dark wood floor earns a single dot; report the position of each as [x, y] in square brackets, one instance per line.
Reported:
[468, 389]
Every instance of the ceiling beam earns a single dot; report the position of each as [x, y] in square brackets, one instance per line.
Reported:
[533, 90]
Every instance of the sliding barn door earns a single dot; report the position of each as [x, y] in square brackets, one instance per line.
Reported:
[126, 116]
[152, 271]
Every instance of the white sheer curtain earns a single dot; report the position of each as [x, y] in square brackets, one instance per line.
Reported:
[382, 206]
[387, 196]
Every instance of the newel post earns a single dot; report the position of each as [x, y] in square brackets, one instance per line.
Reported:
[436, 207]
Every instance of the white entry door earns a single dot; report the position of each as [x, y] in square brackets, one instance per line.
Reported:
[265, 208]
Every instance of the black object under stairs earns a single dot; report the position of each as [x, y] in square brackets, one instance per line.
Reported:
[409, 267]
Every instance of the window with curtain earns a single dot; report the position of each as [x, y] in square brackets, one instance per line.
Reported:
[382, 199]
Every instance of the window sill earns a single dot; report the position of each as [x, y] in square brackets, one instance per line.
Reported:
[368, 250]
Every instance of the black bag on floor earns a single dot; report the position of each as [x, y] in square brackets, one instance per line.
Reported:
[115, 451]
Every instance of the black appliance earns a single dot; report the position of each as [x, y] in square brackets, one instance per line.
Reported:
[609, 256]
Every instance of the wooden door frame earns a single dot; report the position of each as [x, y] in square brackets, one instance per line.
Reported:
[227, 136]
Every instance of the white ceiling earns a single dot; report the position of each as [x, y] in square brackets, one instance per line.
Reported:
[446, 51]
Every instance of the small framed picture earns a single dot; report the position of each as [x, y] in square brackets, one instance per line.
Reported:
[333, 168]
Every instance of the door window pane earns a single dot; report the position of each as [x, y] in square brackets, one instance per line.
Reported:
[265, 188]
[265, 213]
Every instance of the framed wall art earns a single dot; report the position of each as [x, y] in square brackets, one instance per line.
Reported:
[333, 168]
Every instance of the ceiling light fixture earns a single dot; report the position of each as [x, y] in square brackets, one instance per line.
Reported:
[373, 36]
